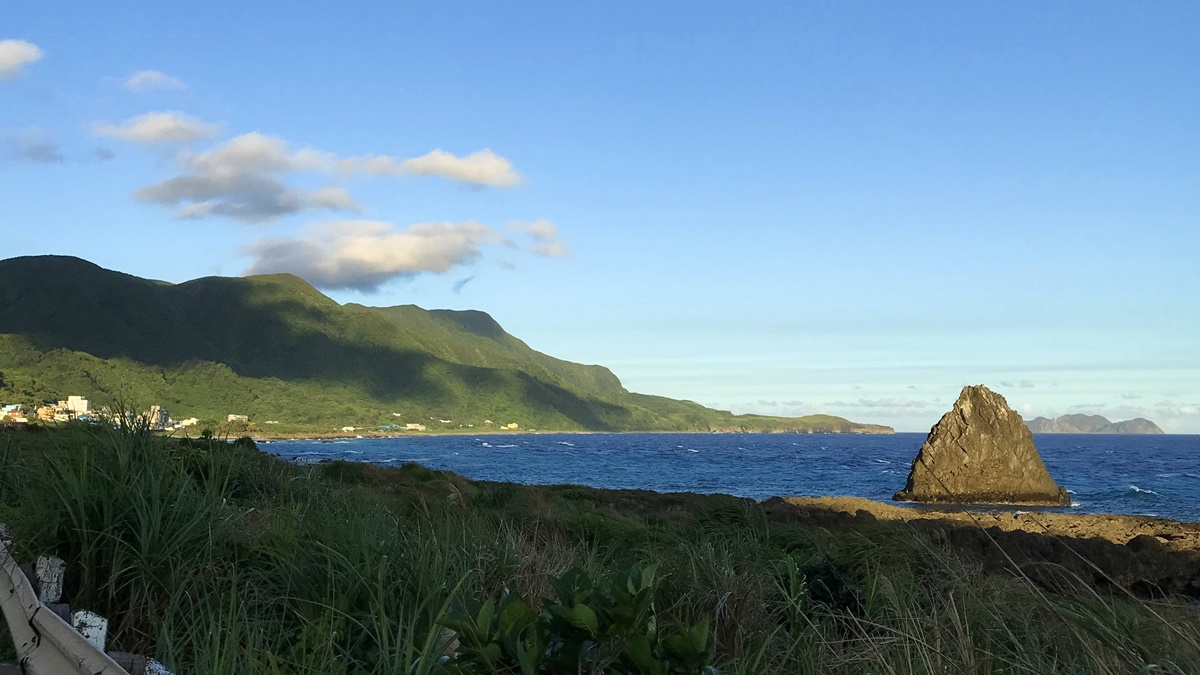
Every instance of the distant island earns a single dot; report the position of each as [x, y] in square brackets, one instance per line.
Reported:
[271, 355]
[1091, 424]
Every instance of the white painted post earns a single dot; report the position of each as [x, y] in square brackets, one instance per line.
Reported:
[50, 571]
[93, 628]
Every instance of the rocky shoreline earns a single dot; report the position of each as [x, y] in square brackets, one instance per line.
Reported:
[1147, 556]
[1119, 529]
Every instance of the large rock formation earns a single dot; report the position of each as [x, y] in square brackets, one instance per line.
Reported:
[981, 452]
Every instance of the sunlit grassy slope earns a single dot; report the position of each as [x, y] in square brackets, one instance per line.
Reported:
[274, 348]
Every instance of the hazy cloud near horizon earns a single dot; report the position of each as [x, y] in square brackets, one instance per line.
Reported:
[880, 403]
[15, 55]
[363, 255]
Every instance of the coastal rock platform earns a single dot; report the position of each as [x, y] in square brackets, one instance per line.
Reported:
[1146, 555]
[1171, 535]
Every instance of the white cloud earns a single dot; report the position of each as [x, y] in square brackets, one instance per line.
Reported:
[15, 55]
[256, 151]
[362, 255]
[148, 80]
[483, 167]
[240, 180]
[250, 196]
[242, 177]
[158, 127]
[880, 403]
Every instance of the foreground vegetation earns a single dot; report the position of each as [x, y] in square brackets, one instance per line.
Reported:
[217, 558]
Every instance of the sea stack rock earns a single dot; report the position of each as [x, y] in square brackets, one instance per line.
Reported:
[981, 452]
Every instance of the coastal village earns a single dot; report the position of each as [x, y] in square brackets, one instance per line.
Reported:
[78, 408]
[157, 418]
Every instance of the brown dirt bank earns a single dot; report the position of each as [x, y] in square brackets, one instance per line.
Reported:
[1146, 555]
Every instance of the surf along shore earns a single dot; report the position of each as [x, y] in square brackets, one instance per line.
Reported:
[344, 566]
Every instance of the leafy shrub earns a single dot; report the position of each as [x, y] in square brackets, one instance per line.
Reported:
[590, 627]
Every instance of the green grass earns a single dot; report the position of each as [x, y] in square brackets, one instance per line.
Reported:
[216, 558]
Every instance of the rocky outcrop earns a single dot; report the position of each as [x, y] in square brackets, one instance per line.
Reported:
[1091, 424]
[981, 452]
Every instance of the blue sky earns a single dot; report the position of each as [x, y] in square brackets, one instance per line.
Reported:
[786, 208]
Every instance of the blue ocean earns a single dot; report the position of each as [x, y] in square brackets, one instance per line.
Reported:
[1136, 475]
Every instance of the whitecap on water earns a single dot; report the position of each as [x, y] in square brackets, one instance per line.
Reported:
[566, 443]
[692, 450]
[881, 461]
[1137, 490]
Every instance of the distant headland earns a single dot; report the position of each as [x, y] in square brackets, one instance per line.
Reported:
[1091, 424]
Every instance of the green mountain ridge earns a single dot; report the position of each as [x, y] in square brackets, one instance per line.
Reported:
[276, 349]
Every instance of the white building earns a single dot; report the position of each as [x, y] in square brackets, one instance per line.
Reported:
[78, 405]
